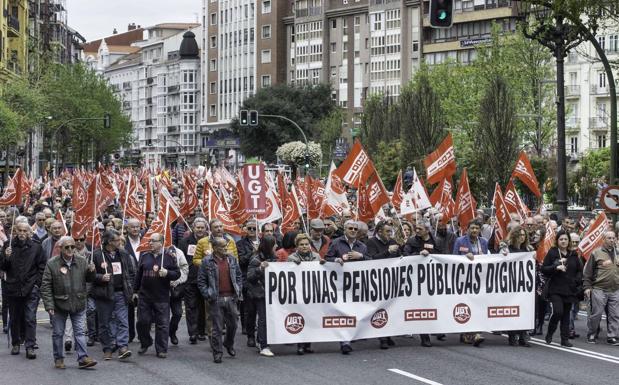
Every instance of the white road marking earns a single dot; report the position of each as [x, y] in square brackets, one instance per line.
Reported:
[590, 353]
[415, 377]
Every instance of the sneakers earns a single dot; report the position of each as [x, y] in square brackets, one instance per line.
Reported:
[107, 355]
[30, 354]
[201, 337]
[162, 355]
[217, 358]
[478, 339]
[87, 362]
[59, 364]
[566, 343]
[266, 352]
[124, 353]
[346, 349]
[15, 350]
[67, 346]
[591, 339]
[612, 341]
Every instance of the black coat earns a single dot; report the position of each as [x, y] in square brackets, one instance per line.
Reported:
[415, 245]
[184, 244]
[255, 275]
[105, 290]
[567, 284]
[245, 248]
[377, 249]
[24, 268]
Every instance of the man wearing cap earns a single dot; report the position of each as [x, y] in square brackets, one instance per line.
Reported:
[318, 241]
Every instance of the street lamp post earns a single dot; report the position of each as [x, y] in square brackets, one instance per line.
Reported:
[296, 126]
[175, 142]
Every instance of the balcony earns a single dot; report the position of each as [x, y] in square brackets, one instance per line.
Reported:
[126, 105]
[13, 23]
[310, 11]
[149, 101]
[126, 86]
[598, 123]
[572, 123]
[173, 89]
[172, 129]
[572, 91]
[596, 89]
[149, 122]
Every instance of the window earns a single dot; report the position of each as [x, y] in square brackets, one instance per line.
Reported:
[212, 65]
[601, 141]
[213, 18]
[212, 87]
[265, 56]
[266, 31]
[212, 110]
[266, 6]
[574, 145]
[266, 81]
[602, 79]
[213, 40]
[333, 47]
[613, 43]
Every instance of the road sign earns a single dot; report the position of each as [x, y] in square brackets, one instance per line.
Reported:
[609, 199]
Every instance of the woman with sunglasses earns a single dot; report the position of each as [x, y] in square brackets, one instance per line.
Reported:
[563, 269]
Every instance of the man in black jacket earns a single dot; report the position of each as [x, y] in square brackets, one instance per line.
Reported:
[156, 270]
[194, 303]
[247, 247]
[383, 246]
[113, 291]
[24, 262]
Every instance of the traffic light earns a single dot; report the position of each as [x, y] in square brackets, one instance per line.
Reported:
[107, 120]
[307, 162]
[244, 120]
[441, 12]
[253, 118]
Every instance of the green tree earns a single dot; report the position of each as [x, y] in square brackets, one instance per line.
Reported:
[330, 129]
[75, 92]
[387, 161]
[306, 105]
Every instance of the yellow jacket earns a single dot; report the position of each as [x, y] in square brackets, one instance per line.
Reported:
[204, 248]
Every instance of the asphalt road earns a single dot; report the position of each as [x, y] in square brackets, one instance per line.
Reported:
[447, 362]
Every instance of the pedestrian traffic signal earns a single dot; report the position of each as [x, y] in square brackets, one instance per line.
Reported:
[244, 119]
[253, 118]
[441, 12]
[307, 162]
[107, 120]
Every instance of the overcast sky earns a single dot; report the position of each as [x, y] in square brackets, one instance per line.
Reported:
[95, 19]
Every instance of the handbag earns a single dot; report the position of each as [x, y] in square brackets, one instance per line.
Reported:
[546, 289]
[177, 291]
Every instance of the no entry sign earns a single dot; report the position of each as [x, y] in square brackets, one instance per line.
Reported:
[255, 188]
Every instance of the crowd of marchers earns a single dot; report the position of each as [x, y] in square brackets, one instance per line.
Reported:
[109, 295]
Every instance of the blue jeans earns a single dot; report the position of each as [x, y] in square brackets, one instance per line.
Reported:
[59, 321]
[91, 317]
[113, 322]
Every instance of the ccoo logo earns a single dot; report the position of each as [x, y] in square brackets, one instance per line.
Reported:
[294, 323]
[379, 319]
[462, 313]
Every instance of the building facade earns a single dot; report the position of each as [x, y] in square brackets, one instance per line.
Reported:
[13, 39]
[159, 86]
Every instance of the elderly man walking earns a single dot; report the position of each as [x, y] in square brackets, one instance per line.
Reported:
[64, 294]
[601, 284]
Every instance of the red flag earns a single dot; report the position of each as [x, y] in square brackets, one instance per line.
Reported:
[217, 209]
[545, 244]
[190, 197]
[168, 213]
[335, 201]
[47, 191]
[292, 211]
[357, 166]
[255, 187]
[13, 193]
[502, 215]
[594, 237]
[79, 193]
[84, 217]
[465, 204]
[149, 202]
[315, 192]
[237, 204]
[398, 192]
[441, 163]
[377, 194]
[442, 200]
[513, 203]
[524, 172]
[364, 209]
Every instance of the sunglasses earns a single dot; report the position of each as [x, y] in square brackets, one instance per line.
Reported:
[352, 228]
[70, 247]
[251, 228]
[80, 240]
[154, 240]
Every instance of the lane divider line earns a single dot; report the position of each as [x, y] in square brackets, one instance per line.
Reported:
[413, 376]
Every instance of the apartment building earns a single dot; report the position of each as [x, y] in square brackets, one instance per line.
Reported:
[159, 86]
[587, 95]
[13, 39]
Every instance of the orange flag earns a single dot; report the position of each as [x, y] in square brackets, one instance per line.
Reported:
[524, 172]
[501, 214]
[441, 163]
[398, 193]
[357, 166]
[594, 237]
[546, 243]
[465, 204]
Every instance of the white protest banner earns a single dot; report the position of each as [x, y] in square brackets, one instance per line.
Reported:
[388, 297]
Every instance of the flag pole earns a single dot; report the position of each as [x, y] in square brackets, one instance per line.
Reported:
[122, 227]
